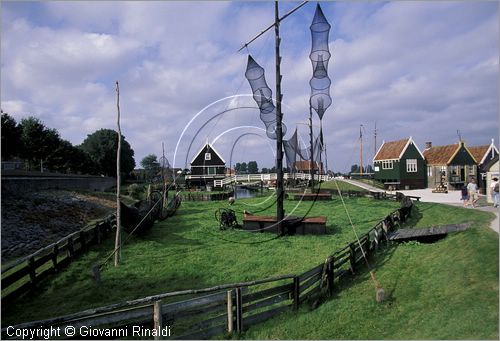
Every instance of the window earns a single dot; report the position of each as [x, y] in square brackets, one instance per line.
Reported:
[211, 170]
[472, 170]
[443, 169]
[387, 164]
[429, 170]
[208, 156]
[411, 165]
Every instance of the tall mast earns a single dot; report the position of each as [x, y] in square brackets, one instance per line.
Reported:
[360, 151]
[311, 165]
[280, 214]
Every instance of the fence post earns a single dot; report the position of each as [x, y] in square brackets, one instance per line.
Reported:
[296, 292]
[97, 231]
[83, 242]
[230, 316]
[55, 252]
[71, 251]
[32, 269]
[330, 275]
[352, 257]
[239, 311]
[157, 319]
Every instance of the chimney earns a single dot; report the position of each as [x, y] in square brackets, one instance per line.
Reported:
[428, 145]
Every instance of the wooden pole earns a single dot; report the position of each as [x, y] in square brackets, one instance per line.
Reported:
[118, 178]
[360, 152]
[280, 214]
[230, 316]
[157, 318]
[311, 165]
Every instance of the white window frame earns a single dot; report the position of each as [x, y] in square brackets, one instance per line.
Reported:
[471, 170]
[411, 165]
[387, 164]
[208, 156]
[429, 170]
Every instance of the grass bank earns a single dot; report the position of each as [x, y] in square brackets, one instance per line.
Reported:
[444, 290]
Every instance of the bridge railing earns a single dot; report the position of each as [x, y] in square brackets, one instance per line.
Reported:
[267, 177]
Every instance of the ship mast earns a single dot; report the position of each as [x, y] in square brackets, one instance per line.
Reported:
[280, 213]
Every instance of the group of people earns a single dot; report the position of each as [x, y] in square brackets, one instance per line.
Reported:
[470, 193]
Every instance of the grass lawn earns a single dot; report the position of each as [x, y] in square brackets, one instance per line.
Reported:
[344, 186]
[189, 251]
[444, 290]
[448, 289]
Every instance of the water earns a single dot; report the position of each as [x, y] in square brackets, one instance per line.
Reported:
[242, 193]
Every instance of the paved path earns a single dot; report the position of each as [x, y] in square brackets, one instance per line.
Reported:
[426, 195]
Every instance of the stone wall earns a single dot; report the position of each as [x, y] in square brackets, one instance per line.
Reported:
[22, 184]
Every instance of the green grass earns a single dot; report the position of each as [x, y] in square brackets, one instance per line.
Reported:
[444, 290]
[189, 251]
[344, 186]
[448, 289]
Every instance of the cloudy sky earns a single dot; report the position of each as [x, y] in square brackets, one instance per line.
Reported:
[421, 69]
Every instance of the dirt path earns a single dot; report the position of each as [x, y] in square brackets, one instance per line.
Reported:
[450, 198]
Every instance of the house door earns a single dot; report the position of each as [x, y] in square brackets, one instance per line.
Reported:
[462, 174]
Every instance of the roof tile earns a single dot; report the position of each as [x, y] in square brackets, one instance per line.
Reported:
[391, 150]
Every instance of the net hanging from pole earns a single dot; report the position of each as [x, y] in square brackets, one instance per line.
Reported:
[320, 83]
[320, 55]
[262, 95]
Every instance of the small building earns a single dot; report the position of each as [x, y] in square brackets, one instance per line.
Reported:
[483, 154]
[400, 164]
[206, 166]
[492, 169]
[306, 166]
[452, 164]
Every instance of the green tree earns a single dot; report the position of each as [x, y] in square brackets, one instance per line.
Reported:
[253, 168]
[11, 137]
[151, 165]
[39, 142]
[264, 170]
[102, 146]
[243, 168]
[354, 169]
[237, 167]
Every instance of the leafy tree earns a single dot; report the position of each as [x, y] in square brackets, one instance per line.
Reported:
[243, 168]
[273, 169]
[369, 169]
[11, 137]
[354, 169]
[264, 170]
[102, 146]
[39, 142]
[253, 167]
[151, 165]
[237, 167]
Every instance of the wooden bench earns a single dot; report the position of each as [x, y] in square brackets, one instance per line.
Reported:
[309, 225]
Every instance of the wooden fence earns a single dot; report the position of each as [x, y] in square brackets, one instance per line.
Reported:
[26, 273]
[227, 308]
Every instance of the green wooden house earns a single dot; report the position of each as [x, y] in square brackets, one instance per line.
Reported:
[400, 164]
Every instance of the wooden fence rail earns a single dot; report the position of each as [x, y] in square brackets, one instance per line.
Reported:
[225, 308]
[26, 273]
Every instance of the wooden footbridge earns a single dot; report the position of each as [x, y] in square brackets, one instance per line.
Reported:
[427, 232]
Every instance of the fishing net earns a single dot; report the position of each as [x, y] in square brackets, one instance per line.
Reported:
[320, 55]
[262, 95]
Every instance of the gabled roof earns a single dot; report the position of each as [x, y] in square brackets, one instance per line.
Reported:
[490, 162]
[441, 155]
[481, 152]
[394, 150]
[207, 146]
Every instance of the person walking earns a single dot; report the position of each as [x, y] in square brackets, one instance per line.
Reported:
[465, 195]
[494, 191]
[472, 191]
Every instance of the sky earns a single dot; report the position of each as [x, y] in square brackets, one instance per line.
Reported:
[426, 69]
